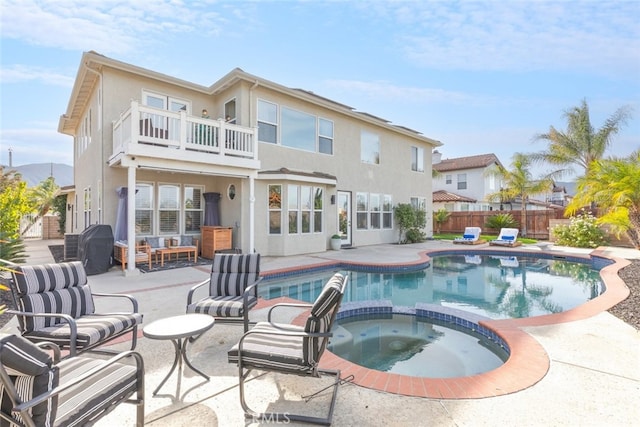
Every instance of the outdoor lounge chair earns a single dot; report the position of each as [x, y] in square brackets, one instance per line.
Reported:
[54, 303]
[37, 389]
[471, 236]
[507, 237]
[232, 289]
[121, 250]
[291, 349]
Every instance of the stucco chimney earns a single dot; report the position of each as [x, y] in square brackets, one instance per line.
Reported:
[436, 157]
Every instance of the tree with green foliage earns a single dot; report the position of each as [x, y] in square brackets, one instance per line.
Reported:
[440, 217]
[614, 186]
[42, 198]
[410, 221]
[580, 144]
[14, 204]
[501, 220]
[518, 183]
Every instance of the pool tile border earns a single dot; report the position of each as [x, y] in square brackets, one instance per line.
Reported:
[528, 362]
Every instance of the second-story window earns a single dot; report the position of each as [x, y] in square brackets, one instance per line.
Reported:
[297, 130]
[462, 181]
[417, 159]
[267, 122]
[447, 179]
[369, 148]
[325, 136]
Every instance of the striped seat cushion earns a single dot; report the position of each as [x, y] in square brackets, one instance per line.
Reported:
[229, 306]
[320, 319]
[32, 372]
[83, 402]
[231, 274]
[91, 329]
[52, 288]
[264, 349]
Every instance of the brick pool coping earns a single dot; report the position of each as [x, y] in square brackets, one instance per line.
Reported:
[528, 362]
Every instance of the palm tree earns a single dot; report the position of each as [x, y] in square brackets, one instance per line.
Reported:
[580, 144]
[614, 185]
[43, 197]
[519, 184]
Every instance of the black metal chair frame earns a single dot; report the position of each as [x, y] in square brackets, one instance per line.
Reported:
[24, 407]
[314, 371]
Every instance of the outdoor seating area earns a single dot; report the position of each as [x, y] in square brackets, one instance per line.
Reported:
[215, 393]
[507, 237]
[471, 236]
[54, 303]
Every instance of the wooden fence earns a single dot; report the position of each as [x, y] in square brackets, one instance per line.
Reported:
[537, 222]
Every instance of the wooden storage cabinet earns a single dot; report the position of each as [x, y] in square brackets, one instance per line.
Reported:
[215, 239]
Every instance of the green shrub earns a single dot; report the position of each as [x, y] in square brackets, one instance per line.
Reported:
[499, 221]
[410, 222]
[582, 232]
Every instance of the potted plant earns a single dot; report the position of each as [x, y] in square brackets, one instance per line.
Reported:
[336, 242]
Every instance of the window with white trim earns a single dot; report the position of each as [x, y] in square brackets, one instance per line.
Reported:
[447, 179]
[267, 122]
[304, 209]
[325, 136]
[297, 129]
[318, 203]
[419, 203]
[375, 209]
[387, 211]
[417, 159]
[193, 209]
[87, 206]
[462, 181]
[144, 209]
[362, 211]
[275, 209]
[369, 148]
[169, 209]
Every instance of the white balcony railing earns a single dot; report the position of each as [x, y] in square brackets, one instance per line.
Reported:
[177, 130]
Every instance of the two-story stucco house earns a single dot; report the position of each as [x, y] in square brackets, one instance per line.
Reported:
[284, 168]
[463, 184]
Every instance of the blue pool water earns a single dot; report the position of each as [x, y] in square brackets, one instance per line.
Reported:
[424, 323]
[492, 286]
[407, 345]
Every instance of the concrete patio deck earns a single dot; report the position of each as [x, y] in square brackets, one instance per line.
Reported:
[593, 376]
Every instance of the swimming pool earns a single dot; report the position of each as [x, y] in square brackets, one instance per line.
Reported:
[492, 286]
[528, 361]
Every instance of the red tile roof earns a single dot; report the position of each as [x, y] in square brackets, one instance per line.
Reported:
[445, 196]
[470, 162]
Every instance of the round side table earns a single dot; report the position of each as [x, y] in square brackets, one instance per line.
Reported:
[180, 330]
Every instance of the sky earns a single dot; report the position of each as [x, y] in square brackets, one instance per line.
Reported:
[478, 76]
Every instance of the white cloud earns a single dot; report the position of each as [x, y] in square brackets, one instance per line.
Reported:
[108, 26]
[601, 37]
[22, 73]
[34, 145]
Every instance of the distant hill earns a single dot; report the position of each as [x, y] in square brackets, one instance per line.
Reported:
[34, 173]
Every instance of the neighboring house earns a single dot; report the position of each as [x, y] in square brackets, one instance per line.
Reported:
[462, 183]
[290, 168]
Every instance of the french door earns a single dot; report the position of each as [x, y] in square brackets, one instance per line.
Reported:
[344, 217]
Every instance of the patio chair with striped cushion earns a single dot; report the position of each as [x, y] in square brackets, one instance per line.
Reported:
[37, 389]
[54, 303]
[232, 289]
[291, 349]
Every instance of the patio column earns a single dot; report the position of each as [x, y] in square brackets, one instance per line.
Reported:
[252, 206]
[131, 218]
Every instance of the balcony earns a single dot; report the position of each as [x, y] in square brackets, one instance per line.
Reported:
[159, 135]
